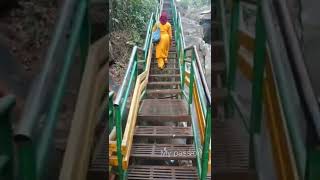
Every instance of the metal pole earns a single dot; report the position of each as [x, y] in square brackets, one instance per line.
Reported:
[257, 87]
[233, 52]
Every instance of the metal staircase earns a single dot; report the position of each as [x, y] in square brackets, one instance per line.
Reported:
[162, 106]
[166, 133]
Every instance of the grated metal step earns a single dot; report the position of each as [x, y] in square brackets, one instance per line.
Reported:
[164, 75]
[163, 132]
[168, 70]
[231, 146]
[164, 151]
[163, 84]
[162, 93]
[163, 110]
[140, 172]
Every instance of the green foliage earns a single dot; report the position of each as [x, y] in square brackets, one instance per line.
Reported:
[193, 3]
[132, 16]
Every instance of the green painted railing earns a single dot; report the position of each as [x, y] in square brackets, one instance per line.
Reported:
[43, 103]
[298, 102]
[196, 77]
[110, 108]
[120, 103]
[6, 135]
[126, 88]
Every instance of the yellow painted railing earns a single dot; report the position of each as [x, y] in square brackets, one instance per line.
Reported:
[140, 85]
[199, 114]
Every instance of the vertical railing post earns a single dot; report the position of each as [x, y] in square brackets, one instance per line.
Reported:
[136, 60]
[27, 160]
[205, 153]
[119, 140]
[233, 53]
[191, 80]
[257, 87]
[183, 69]
[6, 144]
[110, 111]
[313, 164]
[85, 38]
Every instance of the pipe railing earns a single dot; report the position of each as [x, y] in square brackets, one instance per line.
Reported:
[199, 97]
[110, 115]
[34, 146]
[297, 102]
[120, 146]
[7, 103]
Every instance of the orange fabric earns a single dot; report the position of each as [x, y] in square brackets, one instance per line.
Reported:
[160, 63]
[162, 48]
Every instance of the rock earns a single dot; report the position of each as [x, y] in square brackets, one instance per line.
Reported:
[197, 31]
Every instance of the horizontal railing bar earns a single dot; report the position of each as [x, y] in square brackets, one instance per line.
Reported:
[45, 139]
[285, 86]
[148, 32]
[300, 70]
[123, 105]
[200, 88]
[181, 31]
[188, 48]
[38, 93]
[204, 82]
[126, 76]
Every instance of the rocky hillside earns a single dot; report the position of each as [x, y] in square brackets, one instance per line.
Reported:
[197, 31]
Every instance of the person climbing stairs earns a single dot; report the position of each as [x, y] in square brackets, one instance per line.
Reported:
[162, 106]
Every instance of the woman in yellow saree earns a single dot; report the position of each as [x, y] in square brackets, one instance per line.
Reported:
[162, 48]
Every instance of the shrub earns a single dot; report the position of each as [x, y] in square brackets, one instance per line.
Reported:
[132, 16]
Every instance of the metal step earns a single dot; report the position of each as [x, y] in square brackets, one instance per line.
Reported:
[164, 77]
[164, 151]
[231, 146]
[98, 168]
[171, 64]
[163, 110]
[162, 93]
[141, 172]
[163, 84]
[163, 132]
[155, 69]
[227, 175]
[170, 61]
